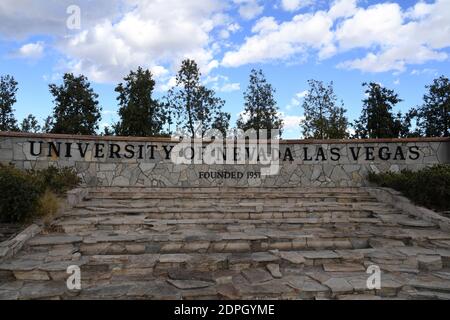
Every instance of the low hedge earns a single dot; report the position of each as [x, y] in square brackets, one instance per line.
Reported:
[429, 187]
[22, 192]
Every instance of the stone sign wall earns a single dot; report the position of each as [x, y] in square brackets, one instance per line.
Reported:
[119, 161]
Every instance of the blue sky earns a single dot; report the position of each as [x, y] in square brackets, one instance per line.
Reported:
[403, 45]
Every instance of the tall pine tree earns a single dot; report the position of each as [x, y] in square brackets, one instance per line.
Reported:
[434, 115]
[261, 111]
[76, 109]
[30, 124]
[377, 119]
[140, 114]
[324, 117]
[8, 90]
[193, 103]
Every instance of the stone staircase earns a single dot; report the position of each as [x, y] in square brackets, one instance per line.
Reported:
[231, 243]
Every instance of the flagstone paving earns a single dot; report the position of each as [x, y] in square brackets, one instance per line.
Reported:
[142, 243]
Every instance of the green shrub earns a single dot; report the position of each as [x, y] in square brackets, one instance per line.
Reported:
[25, 195]
[58, 180]
[19, 195]
[429, 187]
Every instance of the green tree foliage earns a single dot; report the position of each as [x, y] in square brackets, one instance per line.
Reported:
[8, 90]
[140, 114]
[261, 111]
[377, 120]
[76, 109]
[222, 123]
[48, 124]
[107, 132]
[434, 115]
[324, 117]
[193, 103]
[30, 124]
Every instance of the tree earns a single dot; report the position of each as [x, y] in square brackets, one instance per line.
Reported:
[8, 90]
[30, 124]
[222, 123]
[434, 115]
[377, 120]
[261, 111]
[76, 109]
[324, 118]
[192, 102]
[140, 114]
[48, 125]
[107, 132]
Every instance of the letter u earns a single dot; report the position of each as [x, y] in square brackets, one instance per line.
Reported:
[34, 154]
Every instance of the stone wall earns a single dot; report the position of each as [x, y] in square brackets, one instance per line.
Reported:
[119, 161]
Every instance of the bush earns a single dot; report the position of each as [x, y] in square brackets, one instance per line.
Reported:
[25, 195]
[48, 207]
[19, 195]
[57, 180]
[429, 187]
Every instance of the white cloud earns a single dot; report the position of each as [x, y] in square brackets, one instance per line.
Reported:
[420, 10]
[230, 87]
[154, 34]
[295, 5]
[249, 9]
[120, 35]
[159, 71]
[52, 77]
[302, 94]
[396, 38]
[231, 28]
[265, 25]
[283, 41]
[30, 51]
[390, 37]
[23, 18]
[234, 27]
[167, 85]
[343, 8]
[394, 59]
[291, 122]
[296, 100]
[221, 83]
[427, 71]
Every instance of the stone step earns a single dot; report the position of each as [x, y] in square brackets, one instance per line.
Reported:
[170, 215]
[217, 242]
[250, 284]
[44, 266]
[164, 240]
[254, 208]
[37, 267]
[202, 205]
[134, 223]
[229, 197]
[229, 190]
[244, 201]
[257, 277]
